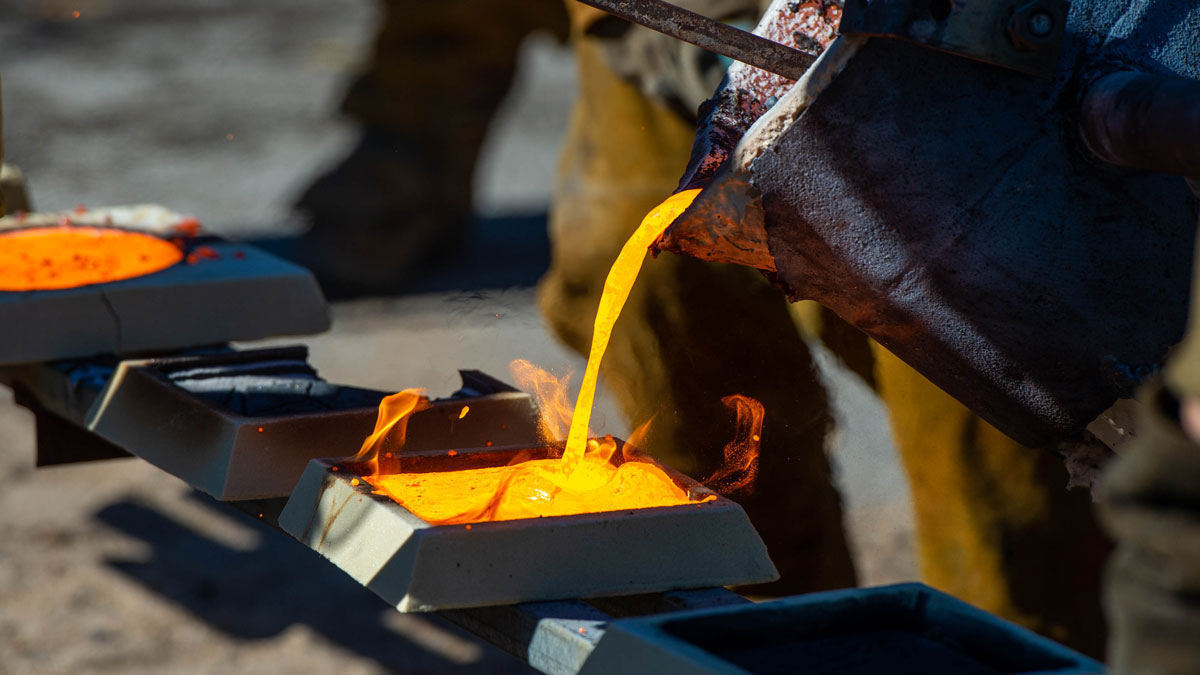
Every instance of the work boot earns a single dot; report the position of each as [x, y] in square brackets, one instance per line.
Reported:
[382, 216]
[436, 76]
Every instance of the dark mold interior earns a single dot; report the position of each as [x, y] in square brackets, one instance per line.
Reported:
[264, 383]
[905, 632]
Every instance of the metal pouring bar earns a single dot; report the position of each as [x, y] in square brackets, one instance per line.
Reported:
[710, 34]
[1144, 121]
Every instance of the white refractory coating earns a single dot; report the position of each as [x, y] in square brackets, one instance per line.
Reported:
[235, 457]
[418, 567]
[1118, 425]
[237, 292]
[150, 218]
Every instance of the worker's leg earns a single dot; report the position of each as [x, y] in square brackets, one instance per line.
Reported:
[691, 332]
[996, 525]
[820, 324]
[437, 75]
[1151, 504]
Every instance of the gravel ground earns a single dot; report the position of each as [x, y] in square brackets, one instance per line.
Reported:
[116, 567]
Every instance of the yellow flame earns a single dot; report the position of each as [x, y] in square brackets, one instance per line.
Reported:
[391, 424]
[533, 484]
[550, 392]
[620, 280]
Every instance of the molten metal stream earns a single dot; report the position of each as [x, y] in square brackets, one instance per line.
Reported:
[616, 291]
[66, 256]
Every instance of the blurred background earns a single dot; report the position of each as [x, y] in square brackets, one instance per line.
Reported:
[228, 110]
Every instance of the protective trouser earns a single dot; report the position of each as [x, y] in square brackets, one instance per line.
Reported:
[1151, 505]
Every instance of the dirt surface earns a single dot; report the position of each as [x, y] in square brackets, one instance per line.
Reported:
[116, 567]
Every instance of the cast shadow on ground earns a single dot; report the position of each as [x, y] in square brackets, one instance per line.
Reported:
[258, 593]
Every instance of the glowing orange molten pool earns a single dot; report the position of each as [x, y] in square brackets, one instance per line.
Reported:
[609, 478]
[532, 489]
[66, 256]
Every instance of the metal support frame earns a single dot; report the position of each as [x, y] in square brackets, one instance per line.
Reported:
[1023, 35]
[558, 637]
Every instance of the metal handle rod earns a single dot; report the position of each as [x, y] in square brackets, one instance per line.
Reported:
[710, 34]
[1144, 121]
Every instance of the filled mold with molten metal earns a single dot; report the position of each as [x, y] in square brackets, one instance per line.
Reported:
[141, 278]
[419, 566]
[531, 484]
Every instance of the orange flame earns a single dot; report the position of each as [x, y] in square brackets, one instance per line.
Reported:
[530, 486]
[391, 426]
[741, 454]
[550, 392]
[629, 449]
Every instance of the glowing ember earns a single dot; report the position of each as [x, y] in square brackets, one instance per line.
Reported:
[616, 291]
[66, 256]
